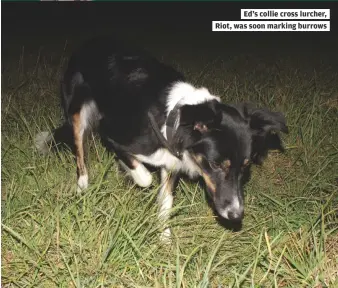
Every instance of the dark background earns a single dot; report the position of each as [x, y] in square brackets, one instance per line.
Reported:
[40, 23]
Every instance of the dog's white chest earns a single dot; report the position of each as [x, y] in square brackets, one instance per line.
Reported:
[163, 158]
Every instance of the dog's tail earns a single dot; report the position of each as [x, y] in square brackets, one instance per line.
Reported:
[59, 138]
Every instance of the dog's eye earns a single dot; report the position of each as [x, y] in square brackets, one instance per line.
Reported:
[225, 165]
[214, 165]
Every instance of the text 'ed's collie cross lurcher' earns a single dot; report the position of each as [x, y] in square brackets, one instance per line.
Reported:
[147, 113]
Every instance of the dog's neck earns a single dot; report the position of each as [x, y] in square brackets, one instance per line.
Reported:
[182, 93]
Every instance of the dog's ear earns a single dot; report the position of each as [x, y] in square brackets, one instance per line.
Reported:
[201, 118]
[265, 125]
[261, 120]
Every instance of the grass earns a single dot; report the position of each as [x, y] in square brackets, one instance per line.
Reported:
[108, 236]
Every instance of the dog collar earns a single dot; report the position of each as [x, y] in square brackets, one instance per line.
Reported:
[171, 126]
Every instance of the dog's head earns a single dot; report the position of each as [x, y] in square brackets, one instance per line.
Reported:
[224, 141]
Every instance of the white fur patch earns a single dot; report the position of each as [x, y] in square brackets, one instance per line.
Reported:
[165, 236]
[42, 140]
[235, 204]
[165, 200]
[82, 182]
[183, 93]
[163, 158]
[89, 114]
[186, 94]
[224, 213]
[140, 174]
[235, 208]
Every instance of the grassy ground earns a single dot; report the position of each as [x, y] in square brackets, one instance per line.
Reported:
[108, 236]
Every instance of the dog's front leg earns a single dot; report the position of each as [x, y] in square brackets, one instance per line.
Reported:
[165, 200]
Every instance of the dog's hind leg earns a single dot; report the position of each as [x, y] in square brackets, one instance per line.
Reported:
[165, 200]
[84, 115]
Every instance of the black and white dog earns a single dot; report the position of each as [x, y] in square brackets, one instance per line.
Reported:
[147, 113]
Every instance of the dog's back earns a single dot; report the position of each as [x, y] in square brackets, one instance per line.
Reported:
[122, 80]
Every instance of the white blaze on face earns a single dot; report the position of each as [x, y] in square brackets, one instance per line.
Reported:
[234, 208]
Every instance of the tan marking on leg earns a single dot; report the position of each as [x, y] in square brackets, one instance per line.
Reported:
[165, 200]
[78, 141]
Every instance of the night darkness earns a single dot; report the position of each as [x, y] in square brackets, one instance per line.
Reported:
[39, 22]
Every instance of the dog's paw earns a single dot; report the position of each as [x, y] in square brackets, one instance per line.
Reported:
[165, 236]
[82, 183]
[141, 175]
